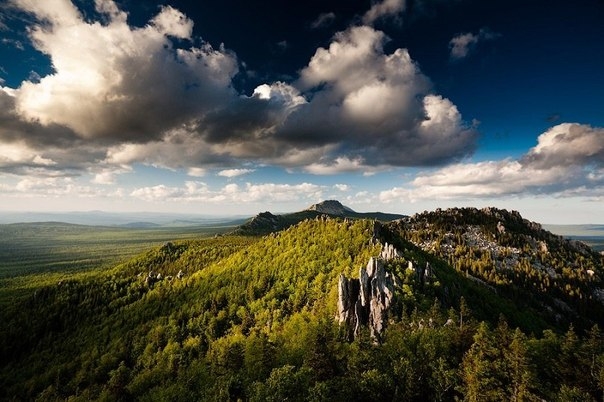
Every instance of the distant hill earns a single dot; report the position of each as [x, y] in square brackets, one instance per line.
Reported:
[101, 218]
[266, 222]
[593, 235]
[139, 225]
[331, 207]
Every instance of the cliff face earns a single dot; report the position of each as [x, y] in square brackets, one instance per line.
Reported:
[365, 301]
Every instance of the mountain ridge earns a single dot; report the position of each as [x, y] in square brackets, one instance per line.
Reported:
[267, 222]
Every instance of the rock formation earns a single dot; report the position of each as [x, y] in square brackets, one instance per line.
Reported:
[331, 207]
[389, 252]
[365, 301]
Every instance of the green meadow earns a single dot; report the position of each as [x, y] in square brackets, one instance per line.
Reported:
[36, 254]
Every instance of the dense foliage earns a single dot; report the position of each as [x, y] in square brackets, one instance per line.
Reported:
[563, 279]
[252, 318]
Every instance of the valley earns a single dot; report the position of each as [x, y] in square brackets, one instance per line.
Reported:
[40, 253]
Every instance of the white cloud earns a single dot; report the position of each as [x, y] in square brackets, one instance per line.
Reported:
[371, 104]
[172, 22]
[104, 178]
[57, 187]
[383, 9]
[342, 165]
[231, 193]
[342, 187]
[363, 198]
[178, 149]
[281, 192]
[196, 172]
[567, 161]
[16, 153]
[230, 173]
[323, 20]
[461, 45]
[115, 81]
[158, 192]
[120, 95]
[107, 175]
[282, 94]
[568, 144]
[39, 160]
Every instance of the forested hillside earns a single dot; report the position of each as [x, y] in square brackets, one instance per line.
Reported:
[561, 279]
[254, 318]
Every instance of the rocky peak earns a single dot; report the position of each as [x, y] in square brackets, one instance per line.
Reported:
[331, 207]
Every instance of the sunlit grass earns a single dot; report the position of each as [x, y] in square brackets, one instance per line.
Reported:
[34, 255]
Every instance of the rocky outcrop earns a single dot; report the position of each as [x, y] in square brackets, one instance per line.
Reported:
[262, 224]
[365, 301]
[389, 252]
[331, 207]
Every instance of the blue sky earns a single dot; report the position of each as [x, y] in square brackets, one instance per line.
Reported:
[240, 107]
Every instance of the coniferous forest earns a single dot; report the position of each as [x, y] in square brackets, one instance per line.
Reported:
[509, 312]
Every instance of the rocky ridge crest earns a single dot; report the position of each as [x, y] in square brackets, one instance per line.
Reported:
[331, 207]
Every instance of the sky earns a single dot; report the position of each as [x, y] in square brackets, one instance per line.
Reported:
[238, 107]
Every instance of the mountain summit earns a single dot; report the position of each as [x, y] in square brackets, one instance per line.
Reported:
[331, 207]
[266, 222]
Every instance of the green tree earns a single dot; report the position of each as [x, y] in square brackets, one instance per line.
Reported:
[521, 376]
[481, 368]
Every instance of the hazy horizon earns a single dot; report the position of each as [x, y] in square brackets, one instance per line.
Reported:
[165, 218]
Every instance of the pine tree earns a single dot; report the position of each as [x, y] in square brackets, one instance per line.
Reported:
[521, 376]
[480, 369]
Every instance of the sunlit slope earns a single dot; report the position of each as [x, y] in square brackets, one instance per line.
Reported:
[561, 279]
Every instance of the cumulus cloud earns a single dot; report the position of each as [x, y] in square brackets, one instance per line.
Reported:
[461, 45]
[230, 173]
[196, 172]
[567, 160]
[107, 175]
[172, 22]
[114, 81]
[568, 144]
[376, 106]
[342, 187]
[55, 187]
[383, 9]
[121, 95]
[343, 165]
[354, 108]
